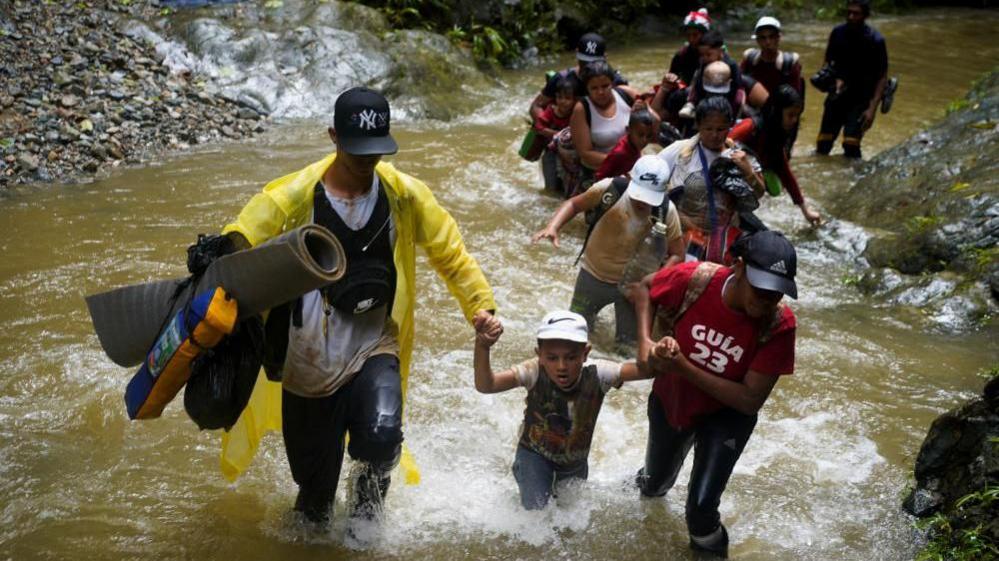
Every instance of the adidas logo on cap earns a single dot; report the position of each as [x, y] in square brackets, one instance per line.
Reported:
[779, 267]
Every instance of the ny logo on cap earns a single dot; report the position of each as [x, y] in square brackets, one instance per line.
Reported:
[370, 119]
[591, 47]
[779, 267]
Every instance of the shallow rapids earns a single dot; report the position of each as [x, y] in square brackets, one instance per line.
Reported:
[822, 478]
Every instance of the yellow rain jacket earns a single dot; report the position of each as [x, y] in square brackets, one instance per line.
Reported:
[285, 204]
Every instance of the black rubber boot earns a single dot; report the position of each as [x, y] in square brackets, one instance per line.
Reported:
[370, 483]
[713, 545]
[315, 505]
[851, 151]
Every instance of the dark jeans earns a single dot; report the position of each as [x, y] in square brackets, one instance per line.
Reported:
[592, 294]
[369, 407]
[537, 476]
[842, 113]
[718, 441]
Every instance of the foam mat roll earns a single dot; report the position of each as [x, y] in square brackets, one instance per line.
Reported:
[128, 319]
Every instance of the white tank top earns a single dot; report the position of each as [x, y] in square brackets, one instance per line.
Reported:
[604, 132]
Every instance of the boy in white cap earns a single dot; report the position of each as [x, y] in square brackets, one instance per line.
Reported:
[771, 66]
[617, 226]
[565, 391]
[767, 63]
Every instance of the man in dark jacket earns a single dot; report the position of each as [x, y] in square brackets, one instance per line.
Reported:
[858, 60]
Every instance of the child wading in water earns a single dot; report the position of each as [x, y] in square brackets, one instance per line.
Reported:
[552, 120]
[564, 395]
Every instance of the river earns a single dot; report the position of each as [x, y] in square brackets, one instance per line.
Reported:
[822, 478]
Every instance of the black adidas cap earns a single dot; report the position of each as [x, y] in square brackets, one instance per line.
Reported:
[590, 48]
[361, 119]
[771, 261]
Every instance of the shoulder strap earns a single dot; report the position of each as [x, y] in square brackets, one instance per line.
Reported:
[696, 286]
[614, 191]
[586, 109]
[752, 56]
[628, 100]
[790, 59]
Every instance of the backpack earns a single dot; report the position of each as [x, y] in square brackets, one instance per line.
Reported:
[788, 60]
[666, 318]
[610, 197]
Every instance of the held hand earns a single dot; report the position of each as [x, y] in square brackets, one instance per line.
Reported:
[487, 328]
[639, 105]
[665, 355]
[547, 233]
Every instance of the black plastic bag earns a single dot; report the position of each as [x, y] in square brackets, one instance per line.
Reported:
[222, 379]
[726, 176]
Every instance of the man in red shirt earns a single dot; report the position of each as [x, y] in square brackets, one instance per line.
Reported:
[731, 341]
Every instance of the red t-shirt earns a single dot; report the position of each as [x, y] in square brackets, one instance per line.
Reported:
[718, 340]
[549, 120]
[619, 160]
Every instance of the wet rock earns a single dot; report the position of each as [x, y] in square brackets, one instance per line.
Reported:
[959, 457]
[246, 113]
[28, 162]
[934, 200]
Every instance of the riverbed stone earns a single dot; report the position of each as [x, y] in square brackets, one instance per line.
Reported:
[959, 457]
[932, 199]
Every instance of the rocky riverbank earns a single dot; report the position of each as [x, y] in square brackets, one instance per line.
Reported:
[88, 86]
[957, 480]
[933, 203]
[79, 97]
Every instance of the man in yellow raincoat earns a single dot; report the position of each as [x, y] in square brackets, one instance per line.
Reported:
[345, 362]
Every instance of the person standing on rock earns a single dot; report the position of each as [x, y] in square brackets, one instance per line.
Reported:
[344, 351]
[856, 67]
[730, 340]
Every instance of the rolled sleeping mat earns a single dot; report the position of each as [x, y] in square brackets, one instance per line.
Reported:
[128, 320]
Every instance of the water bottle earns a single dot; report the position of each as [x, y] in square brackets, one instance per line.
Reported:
[647, 258]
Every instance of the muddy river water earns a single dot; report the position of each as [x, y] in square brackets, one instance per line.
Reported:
[822, 477]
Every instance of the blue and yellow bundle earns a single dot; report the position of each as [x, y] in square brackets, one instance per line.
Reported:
[197, 327]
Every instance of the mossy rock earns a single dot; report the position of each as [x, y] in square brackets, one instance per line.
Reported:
[936, 195]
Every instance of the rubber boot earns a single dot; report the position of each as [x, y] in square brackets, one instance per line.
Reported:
[370, 482]
[852, 151]
[315, 505]
[713, 545]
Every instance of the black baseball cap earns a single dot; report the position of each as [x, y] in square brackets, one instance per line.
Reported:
[771, 261]
[590, 48]
[361, 119]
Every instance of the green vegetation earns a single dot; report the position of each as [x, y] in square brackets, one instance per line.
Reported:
[948, 541]
[498, 32]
